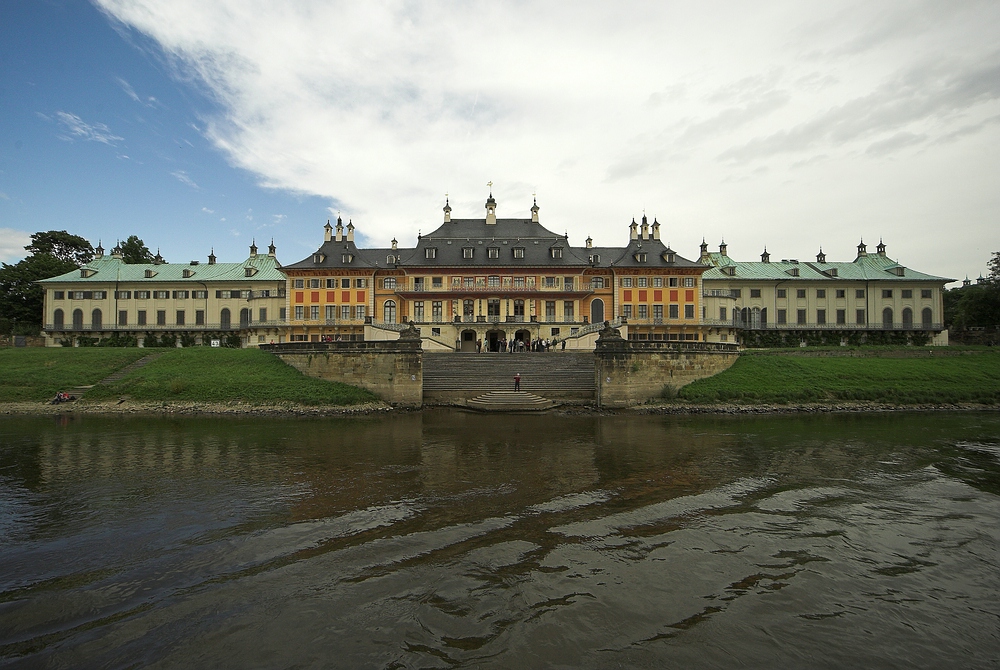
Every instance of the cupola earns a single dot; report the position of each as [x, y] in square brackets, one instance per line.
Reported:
[633, 230]
[645, 228]
[821, 257]
[765, 257]
[394, 243]
[340, 230]
[99, 251]
[722, 248]
[862, 249]
[253, 248]
[327, 231]
[211, 257]
[491, 208]
[447, 210]
[880, 248]
[534, 210]
[590, 243]
[350, 231]
[271, 250]
[157, 259]
[656, 229]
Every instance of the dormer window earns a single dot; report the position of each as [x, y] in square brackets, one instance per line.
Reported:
[150, 274]
[595, 258]
[347, 258]
[640, 257]
[669, 256]
[390, 260]
[249, 272]
[518, 252]
[317, 259]
[900, 271]
[731, 270]
[493, 252]
[87, 272]
[430, 252]
[467, 252]
[832, 272]
[188, 273]
[556, 252]
[793, 272]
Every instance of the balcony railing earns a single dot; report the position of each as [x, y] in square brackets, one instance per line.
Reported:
[746, 325]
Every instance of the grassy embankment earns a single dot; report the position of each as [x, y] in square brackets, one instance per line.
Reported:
[766, 377]
[198, 374]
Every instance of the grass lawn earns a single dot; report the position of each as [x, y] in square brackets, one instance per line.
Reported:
[974, 377]
[223, 375]
[37, 373]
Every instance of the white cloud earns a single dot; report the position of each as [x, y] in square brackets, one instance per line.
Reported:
[78, 129]
[12, 243]
[606, 109]
[182, 177]
[207, 210]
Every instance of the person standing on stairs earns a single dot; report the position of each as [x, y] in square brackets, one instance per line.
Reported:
[517, 381]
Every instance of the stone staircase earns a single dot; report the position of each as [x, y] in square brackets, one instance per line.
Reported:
[458, 377]
[509, 401]
[119, 374]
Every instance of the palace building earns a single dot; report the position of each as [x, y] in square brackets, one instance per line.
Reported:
[191, 303]
[477, 283]
[484, 281]
[822, 301]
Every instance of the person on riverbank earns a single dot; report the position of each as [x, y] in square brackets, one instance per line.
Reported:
[517, 381]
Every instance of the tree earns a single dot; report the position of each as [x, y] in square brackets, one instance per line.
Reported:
[134, 250]
[994, 265]
[20, 297]
[62, 246]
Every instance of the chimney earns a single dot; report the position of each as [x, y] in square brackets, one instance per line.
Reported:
[645, 228]
[656, 229]
[633, 230]
[350, 231]
[327, 231]
[340, 230]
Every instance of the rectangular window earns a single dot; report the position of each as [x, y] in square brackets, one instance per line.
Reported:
[141, 317]
[643, 312]
[887, 293]
[800, 293]
[161, 295]
[568, 310]
[437, 312]
[180, 295]
[841, 293]
[122, 317]
[642, 282]
[821, 293]
[722, 314]
[782, 293]
[331, 283]
[161, 317]
[627, 311]
[688, 311]
[199, 295]
[123, 295]
[556, 252]
[494, 252]
[345, 282]
[568, 283]
[76, 295]
[627, 282]
[314, 313]
[361, 283]
[800, 317]
[690, 282]
[418, 311]
[361, 311]
[57, 295]
[674, 312]
[180, 317]
[755, 293]
[389, 283]
[550, 310]
[199, 317]
[518, 282]
[820, 317]
[262, 314]
[550, 282]
[782, 316]
[300, 312]
[142, 295]
[100, 295]
[658, 312]
[467, 252]
[859, 294]
[345, 312]
[331, 312]
[907, 293]
[673, 282]
[518, 252]
[299, 283]
[437, 282]
[430, 253]
[841, 317]
[313, 283]
[925, 293]
[493, 281]
[860, 317]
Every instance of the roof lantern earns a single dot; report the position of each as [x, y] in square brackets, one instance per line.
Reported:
[534, 209]
[271, 249]
[590, 242]
[327, 231]
[656, 229]
[99, 251]
[880, 248]
[253, 248]
[157, 259]
[862, 249]
[211, 257]
[633, 230]
[447, 210]
[722, 248]
[340, 229]
[491, 208]
[765, 257]
[821, 257]
[645, 227]
[350, 230]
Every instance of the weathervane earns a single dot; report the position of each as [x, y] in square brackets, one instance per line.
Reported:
[490, 184]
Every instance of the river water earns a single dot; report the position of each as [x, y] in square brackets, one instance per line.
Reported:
[444, 539]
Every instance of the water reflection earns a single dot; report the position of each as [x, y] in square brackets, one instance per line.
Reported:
[443, 538]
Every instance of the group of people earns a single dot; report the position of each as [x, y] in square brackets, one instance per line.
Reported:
[62, 397]
[329, 338]
[512, 346]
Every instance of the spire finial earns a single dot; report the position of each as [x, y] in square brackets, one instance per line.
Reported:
[490, 184]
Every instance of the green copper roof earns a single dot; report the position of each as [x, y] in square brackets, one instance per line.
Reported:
[111, 269]
[870, 267]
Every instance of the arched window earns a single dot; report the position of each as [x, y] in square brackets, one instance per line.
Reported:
[389, 283]
[907, 318]
[57, 319]
[389, 311]
[597, 309]
[244, 318]
[77, 319]
[887, 318]
[926, 317]
[96, 319]
[224, 319]
[597, 282]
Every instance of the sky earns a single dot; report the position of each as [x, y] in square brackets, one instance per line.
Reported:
[201, 124]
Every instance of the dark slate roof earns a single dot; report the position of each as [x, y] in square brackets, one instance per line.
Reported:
[656, 256]
[331, 255]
